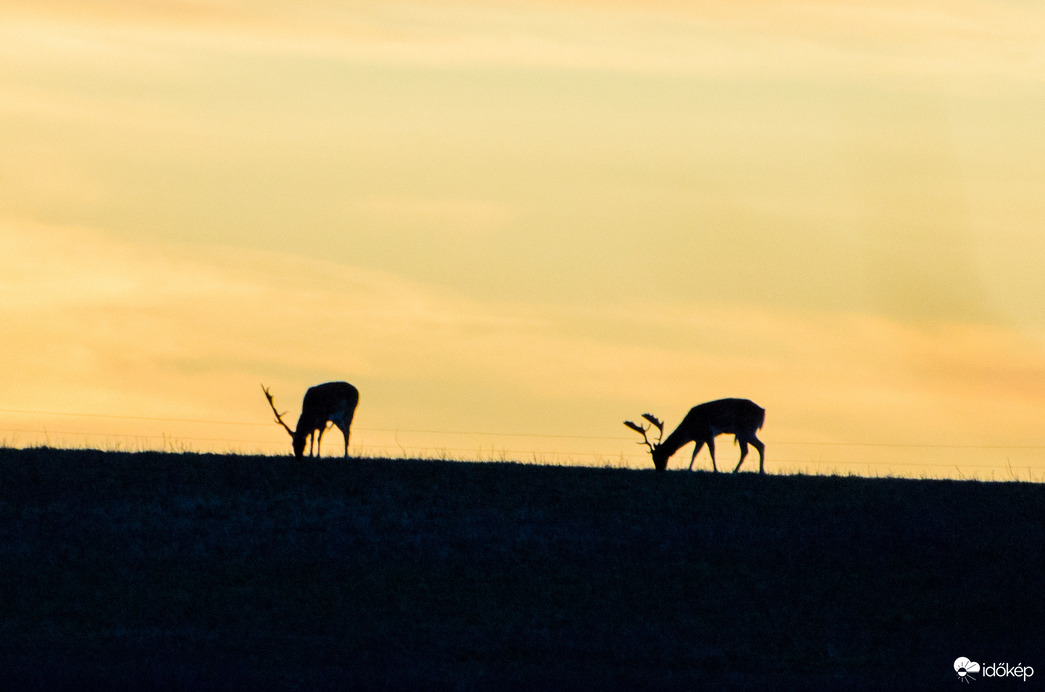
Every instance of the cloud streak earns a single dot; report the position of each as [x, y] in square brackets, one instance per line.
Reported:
[940, 39]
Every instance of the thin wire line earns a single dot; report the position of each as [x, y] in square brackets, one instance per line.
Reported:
[119, 417]
[905, 445]
[501, 452]
[477, 433]
[267, 424]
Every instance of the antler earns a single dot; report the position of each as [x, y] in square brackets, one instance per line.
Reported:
[658, 423]
[654, 422]
[279, 416]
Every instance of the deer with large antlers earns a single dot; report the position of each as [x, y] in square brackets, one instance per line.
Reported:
[739, 417]
[333, 402]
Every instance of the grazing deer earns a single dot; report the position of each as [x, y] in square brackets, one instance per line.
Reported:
[739, 417]
[333, 401]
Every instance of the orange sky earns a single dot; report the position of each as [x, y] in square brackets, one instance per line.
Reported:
[514, 227]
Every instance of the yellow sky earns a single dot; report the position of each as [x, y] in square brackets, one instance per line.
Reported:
[513, 225]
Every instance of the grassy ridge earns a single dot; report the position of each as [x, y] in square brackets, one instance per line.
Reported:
[194, 571]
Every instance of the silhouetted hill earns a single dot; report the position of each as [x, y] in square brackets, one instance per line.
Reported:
[167, 571]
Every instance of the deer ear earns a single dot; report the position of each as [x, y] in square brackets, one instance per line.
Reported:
[637, 428]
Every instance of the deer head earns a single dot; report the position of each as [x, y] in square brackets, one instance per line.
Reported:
[298, 440]
[654, 422]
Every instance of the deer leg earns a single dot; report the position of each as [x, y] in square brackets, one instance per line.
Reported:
[711, 450]
[311, 440]
[757, 444]
[344, 431]
[699, 444]
[319, 441]
[743, 453]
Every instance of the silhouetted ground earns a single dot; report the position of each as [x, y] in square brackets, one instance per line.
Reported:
[166, 571]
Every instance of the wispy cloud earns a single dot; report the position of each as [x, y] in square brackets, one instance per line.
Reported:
[456, 220]
[981, 38]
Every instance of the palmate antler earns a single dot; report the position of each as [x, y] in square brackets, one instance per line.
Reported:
[279, 416]
[654, 422]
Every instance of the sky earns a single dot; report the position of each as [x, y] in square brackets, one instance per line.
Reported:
[513, 225]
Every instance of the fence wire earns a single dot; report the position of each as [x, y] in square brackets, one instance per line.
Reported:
[990, 461]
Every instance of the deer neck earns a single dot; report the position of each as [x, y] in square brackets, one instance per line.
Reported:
[675, 440]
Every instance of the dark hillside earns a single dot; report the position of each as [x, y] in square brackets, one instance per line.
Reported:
[162, 571]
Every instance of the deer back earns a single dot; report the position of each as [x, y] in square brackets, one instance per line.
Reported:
[732, 416]
[331, 401]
